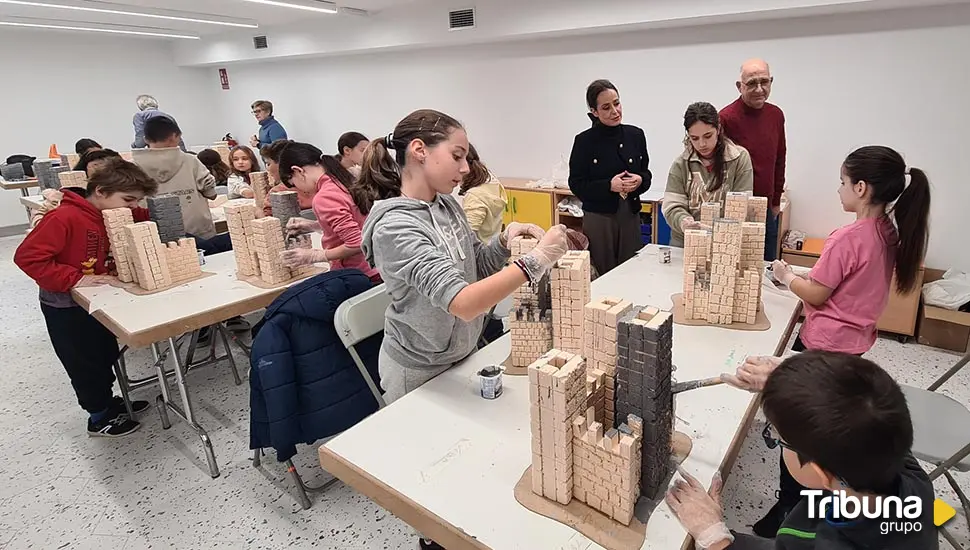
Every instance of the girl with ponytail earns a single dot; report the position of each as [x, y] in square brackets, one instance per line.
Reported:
[340, 219]
[847, 290]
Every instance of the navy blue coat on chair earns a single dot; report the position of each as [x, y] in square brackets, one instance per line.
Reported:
[304, 385]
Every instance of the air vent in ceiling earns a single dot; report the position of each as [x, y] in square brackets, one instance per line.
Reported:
[461, 19]
[260, 42]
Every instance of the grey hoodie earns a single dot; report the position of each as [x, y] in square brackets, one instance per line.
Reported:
[183, 175]
[426, 253]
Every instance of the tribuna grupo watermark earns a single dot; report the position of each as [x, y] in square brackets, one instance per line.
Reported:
[898, 515]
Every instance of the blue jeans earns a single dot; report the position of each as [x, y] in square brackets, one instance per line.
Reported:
[771, 236]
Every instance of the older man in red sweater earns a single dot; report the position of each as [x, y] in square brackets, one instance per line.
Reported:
[759, 127]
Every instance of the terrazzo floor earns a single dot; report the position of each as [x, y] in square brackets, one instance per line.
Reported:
[60, 489]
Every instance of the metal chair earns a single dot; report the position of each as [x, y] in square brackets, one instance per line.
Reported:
[941, 434]
[355, 320]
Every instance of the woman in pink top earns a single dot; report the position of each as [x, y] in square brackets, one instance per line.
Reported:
[847, 290]
[340, 220]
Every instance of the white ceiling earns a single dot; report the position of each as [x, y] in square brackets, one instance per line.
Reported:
[264, 15]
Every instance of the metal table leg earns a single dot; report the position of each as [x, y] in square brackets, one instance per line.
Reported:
[185, 412]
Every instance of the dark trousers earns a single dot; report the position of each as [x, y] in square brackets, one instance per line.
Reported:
[88, 352]
[215, 245]
[771, 236]
[613, 238]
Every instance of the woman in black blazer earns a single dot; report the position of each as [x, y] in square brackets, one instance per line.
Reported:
[608, 170]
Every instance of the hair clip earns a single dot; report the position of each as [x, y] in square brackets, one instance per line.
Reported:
[389, 140]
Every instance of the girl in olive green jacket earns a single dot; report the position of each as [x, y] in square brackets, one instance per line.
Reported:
[710, 166]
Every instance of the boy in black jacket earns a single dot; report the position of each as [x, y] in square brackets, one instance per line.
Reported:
[845, 430]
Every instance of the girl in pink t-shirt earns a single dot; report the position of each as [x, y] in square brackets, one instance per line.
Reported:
[338, 215]
[847, 290]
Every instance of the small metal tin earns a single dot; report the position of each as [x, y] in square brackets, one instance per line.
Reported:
[201, 256]
[491, 381]
[663, 255]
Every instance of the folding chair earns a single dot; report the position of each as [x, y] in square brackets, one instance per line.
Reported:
[941, 434]
[355, 320]
[359, 318]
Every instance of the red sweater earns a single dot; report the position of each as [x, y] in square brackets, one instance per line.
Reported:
[68, 243]
[341, 223]
[762, 133]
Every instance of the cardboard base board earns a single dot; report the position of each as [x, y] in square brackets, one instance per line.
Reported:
[761, 322]
[259, 283]
[597, 527]
[133, 288]
[510, 370]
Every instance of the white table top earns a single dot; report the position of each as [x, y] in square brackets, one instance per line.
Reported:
[218, 212]
[459, 455]
[20, 184]
[141, 320]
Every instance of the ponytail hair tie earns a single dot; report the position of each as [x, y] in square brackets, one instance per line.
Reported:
[389, 140]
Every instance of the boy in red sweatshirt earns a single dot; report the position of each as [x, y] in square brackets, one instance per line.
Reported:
[68, 249]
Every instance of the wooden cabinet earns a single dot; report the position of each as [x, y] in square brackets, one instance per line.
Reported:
[531, 207]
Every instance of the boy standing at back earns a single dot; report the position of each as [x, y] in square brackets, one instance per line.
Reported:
[179, 173]
[68, 249]
[844, 426]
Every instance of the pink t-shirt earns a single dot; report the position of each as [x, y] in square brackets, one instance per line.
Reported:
[857, 264]
[341, 223]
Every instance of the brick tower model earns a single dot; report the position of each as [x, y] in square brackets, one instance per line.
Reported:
[570, 293]
[261, 185]
[257, 244]
[285, 205]
[166, 212]
[141, 257]
[530, 322]
[600, 325]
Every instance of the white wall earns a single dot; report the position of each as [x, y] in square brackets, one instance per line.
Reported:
[523, 102]
[75, 85]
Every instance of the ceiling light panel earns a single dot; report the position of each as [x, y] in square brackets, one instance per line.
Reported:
[98, 30]
[307, 5]
[120, 9]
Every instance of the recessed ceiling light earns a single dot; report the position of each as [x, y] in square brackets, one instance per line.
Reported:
[212, 20]
[308, 5]
[95, 29]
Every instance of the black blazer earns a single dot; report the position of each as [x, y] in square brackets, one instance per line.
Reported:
[601, 153]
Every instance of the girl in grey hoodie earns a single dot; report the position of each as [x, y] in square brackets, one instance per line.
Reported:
[442, 280]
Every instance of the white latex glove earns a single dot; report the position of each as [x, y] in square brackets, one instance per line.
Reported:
[95, 280]
[551, 247]
[753, 373]
[699, 511]
[782, 272]
[299, 226]
[690, 223]
[302, 256]
[516, 229]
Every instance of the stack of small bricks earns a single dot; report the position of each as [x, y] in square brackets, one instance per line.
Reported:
[531, 333]
[606, 466]
[183, 260]
[570, 293]
[524, 295]
[752, 251]
[758, 209]
[261, 185]
[724, 265]
[736, 206]
[596, 393]
[301, 241]
[697, 248]
[268, 242]
[710, 211]
[70, 160]
[600, 320]
[73, 178]
[643, 375]
[13, 172]
[166, 212]
[238, 219]
[697, 254]
[148, 255]
[746, 297]
[43, 170]
[115, 221]
[557, 393]
[285, 205]
[223, 151]
[697, 292]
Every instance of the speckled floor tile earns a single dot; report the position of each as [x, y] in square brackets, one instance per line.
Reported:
[151, 490]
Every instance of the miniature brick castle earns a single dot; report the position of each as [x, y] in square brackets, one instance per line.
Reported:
[285, 205]
[141, 257]
[261, 185]
[166, 212]
[723, 266]
[570, 293]
[579, 450]
[73, 178]
[257, 244]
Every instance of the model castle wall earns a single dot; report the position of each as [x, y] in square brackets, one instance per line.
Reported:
[531, 319]
[73, 178]
[257, 244]
[141, 257]
[285, 205]
[570, 282]
[723, 266]
[606, 466]
[600, 320]
[261, 185]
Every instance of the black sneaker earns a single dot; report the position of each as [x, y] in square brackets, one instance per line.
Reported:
[238, 324]
[118, 426]
[767, 527]
[118, 407]
[205, 337]
[428, 544]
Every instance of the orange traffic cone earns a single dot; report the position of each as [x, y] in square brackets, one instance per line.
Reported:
[53, 152]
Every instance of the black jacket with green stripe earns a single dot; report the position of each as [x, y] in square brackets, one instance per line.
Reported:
[799, 532]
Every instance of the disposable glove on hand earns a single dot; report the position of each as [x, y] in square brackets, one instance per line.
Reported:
[516, 229]
[300, 256]
[753, 374]
[299, 226]
[699, 511]
[782, 272]
[551, 247]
